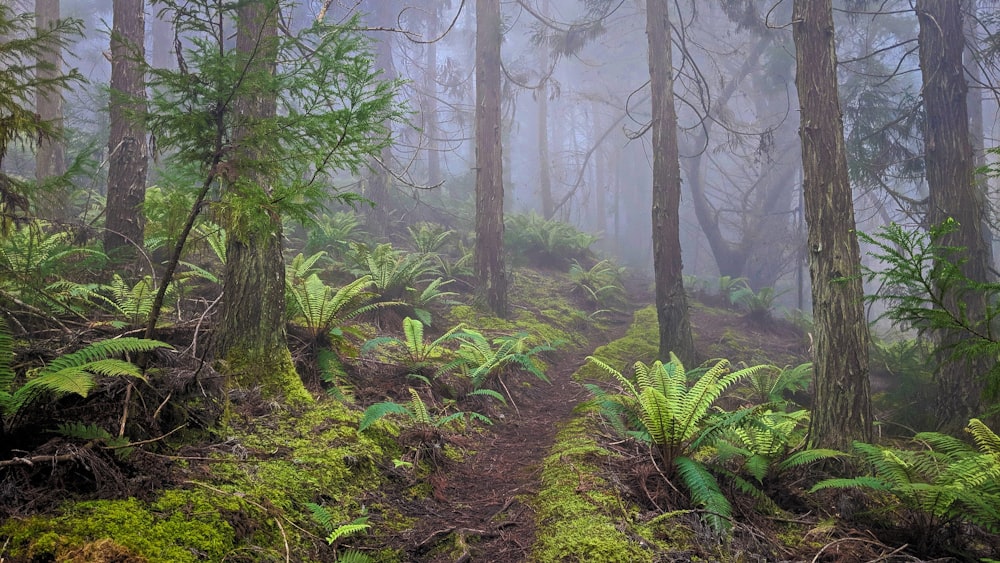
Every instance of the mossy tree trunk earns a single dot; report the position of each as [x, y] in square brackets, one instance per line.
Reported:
[841, 396]
[671, 300]
[127, 152]
[490, 270]
[251, 336]
[953, 194]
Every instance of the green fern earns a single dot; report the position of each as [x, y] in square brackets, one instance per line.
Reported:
[322, 516]
[320, 308]
[429, 238]
[415, 413]
[942, 481]
[705, 492]
[480, 359]
[76, 373]
[678, 421]
[418, 355]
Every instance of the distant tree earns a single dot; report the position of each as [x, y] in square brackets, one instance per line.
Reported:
[27, 71]
[841, 397]
[266, 122]
[127, 151]
[489, 160]
[50, 158]
[379, 180]
[953, 195]
[671, 299]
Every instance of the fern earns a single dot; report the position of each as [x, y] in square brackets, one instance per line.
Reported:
[378, 411]
[705, 493]
[418, 354]
[75, 373]
[954, 482]
[7, 374]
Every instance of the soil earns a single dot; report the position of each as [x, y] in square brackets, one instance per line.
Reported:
[479, 509]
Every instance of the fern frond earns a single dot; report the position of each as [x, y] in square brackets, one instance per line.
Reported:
[489, 393]
[345, 530]
[705, 492]
[321, 515]
[862, 482]
[82, 431]
[354, 556]
[419, 409]
[7, 374]
[378, 411]
[480, 417]
[986, 439]
[806, 457]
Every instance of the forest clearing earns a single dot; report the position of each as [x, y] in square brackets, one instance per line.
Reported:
[531, 280]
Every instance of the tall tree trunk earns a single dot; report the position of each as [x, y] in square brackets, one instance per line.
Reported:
[251, 336]
[379, 179]
[841, 396]
[127, 153]
[431, 128]
[489, 160]
[953, 194]
[544, 162]
[50, 159]
[977, 133]
[671, 299]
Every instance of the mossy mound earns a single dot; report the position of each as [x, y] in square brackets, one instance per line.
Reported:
[580, 518]
[640, 344]
[248, 505]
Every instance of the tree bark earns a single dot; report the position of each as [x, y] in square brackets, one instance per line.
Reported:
[841, 396]
[379, 179]
[431, 128]
[953, 194]
[489, 160]
[127, 152]
[671, 299]
[251, 336]
[50, 159]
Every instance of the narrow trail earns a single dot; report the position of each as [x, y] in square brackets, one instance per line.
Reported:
[477, 512]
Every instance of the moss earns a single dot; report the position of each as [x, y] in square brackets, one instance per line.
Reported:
[274, 373]
[232, 506]
[579, 517]
[185, 525]
[640, 344]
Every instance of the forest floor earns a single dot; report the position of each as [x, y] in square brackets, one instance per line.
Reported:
[481, 509]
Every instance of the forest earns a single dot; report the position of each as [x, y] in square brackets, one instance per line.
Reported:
[471, 280]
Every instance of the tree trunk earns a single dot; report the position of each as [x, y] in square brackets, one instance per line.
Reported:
[50, 159]
[379, 179]
[953, 194]
[251, 336]
[841, 396]
[431, 128]
[489, 160]
[671, 300]
[544, 162]
[127, 153]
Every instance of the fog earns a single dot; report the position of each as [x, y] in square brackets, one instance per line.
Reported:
[575, 117]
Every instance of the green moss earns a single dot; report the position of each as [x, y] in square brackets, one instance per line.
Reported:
[579, 518]
[274, 372]
[640, 344]
[185, 525]
[232, 506]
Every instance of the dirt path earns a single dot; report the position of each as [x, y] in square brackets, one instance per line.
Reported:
[476, 512]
